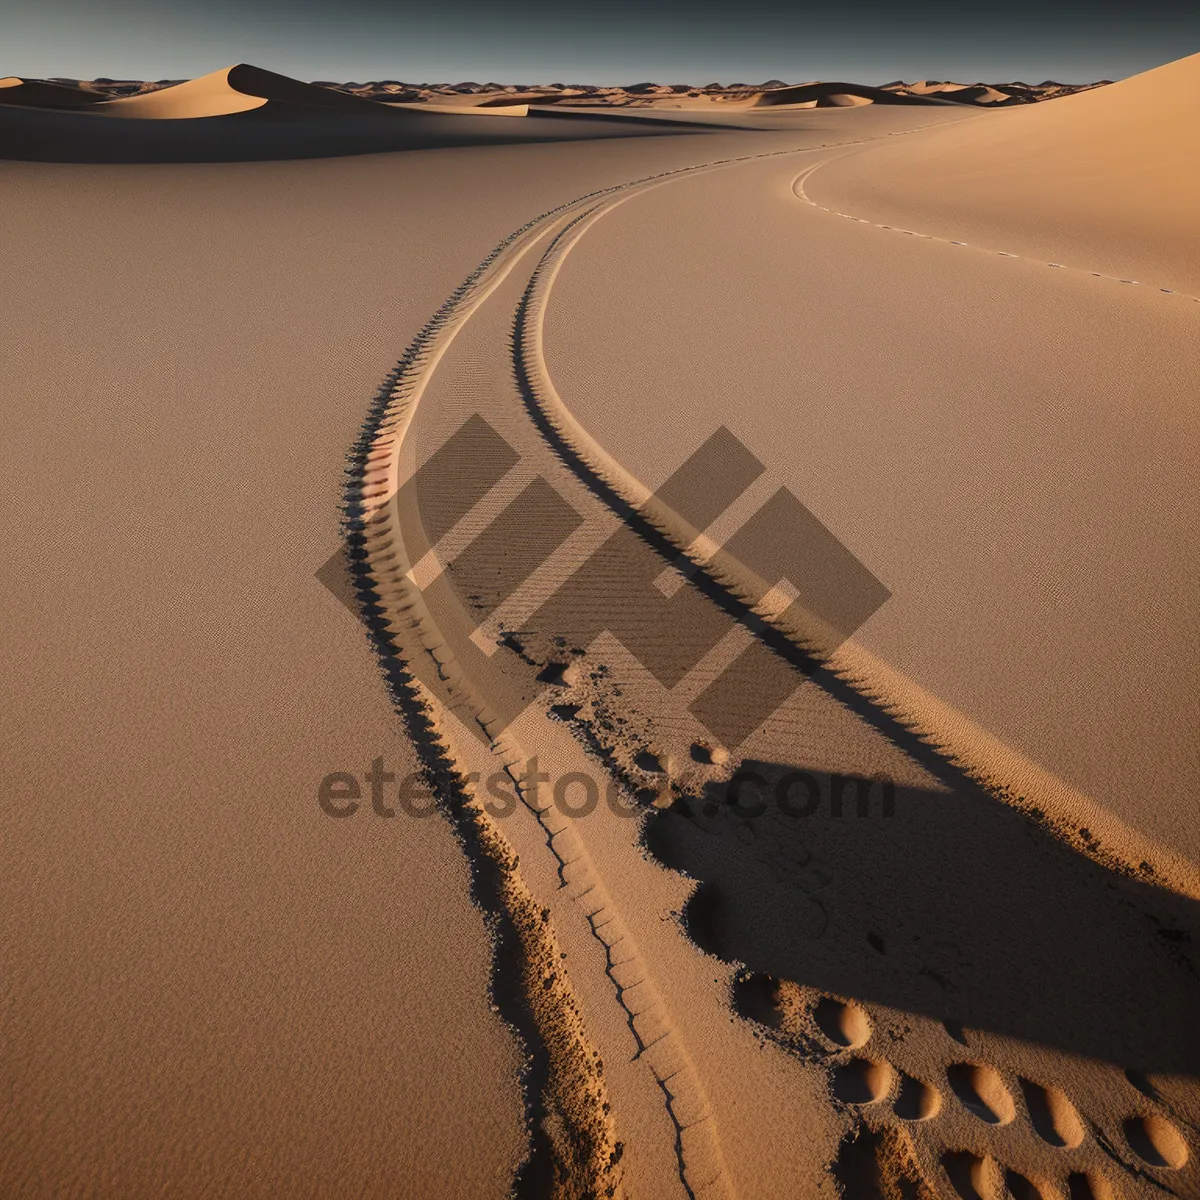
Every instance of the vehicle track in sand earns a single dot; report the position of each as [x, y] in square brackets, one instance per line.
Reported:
[565, 1089]
[562, 1063]
[926, 1159]
[948, 743]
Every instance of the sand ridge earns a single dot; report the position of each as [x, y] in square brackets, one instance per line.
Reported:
[240, 88]
[1106, 177]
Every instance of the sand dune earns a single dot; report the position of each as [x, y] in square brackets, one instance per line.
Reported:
[207, 120]
[1000, 94]
[246, 113]
[834, 95]
[235, 89]
[1108, 180]
[40, 94]
[222, 92]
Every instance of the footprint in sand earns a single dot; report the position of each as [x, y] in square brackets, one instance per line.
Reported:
[1035, 1119]
[844, 1023]
[916, 1100]
[956, 1030]
[862, 1081]
[712, 756]
[972, 1177]
[652, 763]
[1156, 1141]
[981, 1091]
[1020, 1188]
[1141, 1081]
[1053, 1116]
[1088, 1187]
[975, 1178]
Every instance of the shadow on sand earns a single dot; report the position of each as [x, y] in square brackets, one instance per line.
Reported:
[955, 906]
[280, 132]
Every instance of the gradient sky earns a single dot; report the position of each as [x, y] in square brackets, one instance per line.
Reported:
[604, 41]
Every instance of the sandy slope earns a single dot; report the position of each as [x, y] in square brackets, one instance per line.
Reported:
[933, 446]
[1069, 387]
[1108, 180]
[239, 88]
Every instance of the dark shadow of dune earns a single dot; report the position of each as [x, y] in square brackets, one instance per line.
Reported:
[955, 906]
[805, 93]
[614, 116]
[40, 93]
[279, 131]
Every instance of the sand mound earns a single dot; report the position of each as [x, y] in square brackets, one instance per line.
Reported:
[40, 94]
[844, 100]
[1108, 179]
[234, 89]
[979, 93]
[834, 95]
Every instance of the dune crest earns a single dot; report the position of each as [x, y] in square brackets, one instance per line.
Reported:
[834, 95]
[1106, 179]
[235, 89]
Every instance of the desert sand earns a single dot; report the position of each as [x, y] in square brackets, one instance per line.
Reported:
[714, 456]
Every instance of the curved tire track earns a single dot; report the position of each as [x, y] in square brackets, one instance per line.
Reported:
[584, 1154]
[562, 1067]
[946, 742]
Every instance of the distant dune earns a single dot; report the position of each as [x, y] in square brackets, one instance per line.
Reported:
[834, 95]
[234, 89]
[245, 113]
[991, 95]
[41, 94]
[243, 88]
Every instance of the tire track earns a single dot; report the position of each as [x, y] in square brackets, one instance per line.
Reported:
[574, 1151]
[573, 1145]
[944, 741]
